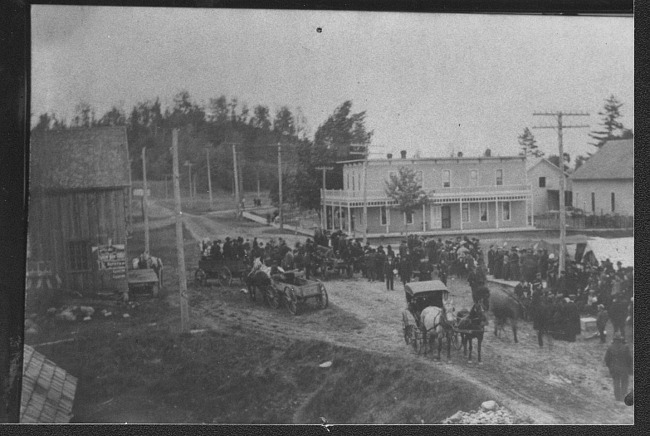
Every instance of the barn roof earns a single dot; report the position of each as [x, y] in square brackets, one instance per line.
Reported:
[614, 160]
[83, 158]
[47, 390]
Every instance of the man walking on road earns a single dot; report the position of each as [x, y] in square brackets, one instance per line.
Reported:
[619, 361]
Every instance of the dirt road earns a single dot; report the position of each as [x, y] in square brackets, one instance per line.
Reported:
[560, 383]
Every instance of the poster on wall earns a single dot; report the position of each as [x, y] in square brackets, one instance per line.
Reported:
[112, 259]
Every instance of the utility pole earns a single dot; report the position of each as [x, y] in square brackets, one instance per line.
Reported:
[180, 251]
[189, 164]
[130, 196]
[365, 190]
[323, 220]
[145, 210]
[207, 157]
[236, 175]
[558, 115]
[280, 184]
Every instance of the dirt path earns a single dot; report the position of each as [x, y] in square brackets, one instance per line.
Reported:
[560, 383]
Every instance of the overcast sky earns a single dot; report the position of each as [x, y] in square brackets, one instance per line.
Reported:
[428, 82]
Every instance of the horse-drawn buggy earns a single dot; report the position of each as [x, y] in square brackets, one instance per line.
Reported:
[324, 259]
[222, 270]
[429, 316]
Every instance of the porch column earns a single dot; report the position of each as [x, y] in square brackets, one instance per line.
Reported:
[340, 216]
[461, 213]
[387, 217]
[349, 219]
[496, 212]
[424, 218]
[532, 211]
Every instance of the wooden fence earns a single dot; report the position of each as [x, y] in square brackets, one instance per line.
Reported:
[552, 221]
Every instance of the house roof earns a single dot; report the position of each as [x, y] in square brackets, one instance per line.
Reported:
[79, 158]
[614, 160]
[47, 390]
[433, 159]
[532, 163]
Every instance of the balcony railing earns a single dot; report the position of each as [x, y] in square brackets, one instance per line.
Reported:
[380, 194]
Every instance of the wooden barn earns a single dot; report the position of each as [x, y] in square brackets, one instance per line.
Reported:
[79, 182]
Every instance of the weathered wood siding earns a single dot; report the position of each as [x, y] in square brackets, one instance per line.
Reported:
[96, 216]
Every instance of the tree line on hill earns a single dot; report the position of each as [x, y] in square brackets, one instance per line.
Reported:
[216, 127]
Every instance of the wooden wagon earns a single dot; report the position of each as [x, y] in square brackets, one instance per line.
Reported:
[295, 290]
[222, 270]
[420, 295]
[144, 279]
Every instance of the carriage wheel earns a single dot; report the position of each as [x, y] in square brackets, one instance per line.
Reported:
[417, 341]
[272, 298]
[322, 297]
[224, 276]
[155, 289]
[292, 300]
[455, 340]
[200, 277]
[407, 328]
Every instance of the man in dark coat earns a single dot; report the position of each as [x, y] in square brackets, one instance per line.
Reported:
[380, 260]
[618, 314]
[572, 321]
[425, 270]
[542, 314]
[618, 359]
[601, 322]
[404, 269]
[514, 264]
[498, 264]
[389, 266]
[491, 255]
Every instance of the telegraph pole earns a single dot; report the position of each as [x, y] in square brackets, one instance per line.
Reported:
[207, 157]
[558, 115]
[180, 251]
[236, 175]
[280, 184]
[189, 164]
[323, 220]
[145, 210]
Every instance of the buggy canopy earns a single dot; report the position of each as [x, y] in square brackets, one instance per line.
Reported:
[616, 250]
[415, 288]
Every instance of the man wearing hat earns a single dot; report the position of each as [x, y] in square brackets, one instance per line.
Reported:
[601, 322]
[618, 359]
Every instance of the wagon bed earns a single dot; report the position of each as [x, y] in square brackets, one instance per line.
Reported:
[222, 270]
[296, 290]
[146, 279]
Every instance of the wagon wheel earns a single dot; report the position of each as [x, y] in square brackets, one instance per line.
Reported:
[272, 297]
[200, 277]
[455, 340]
[224, 276]
[322, 297]
[155, 289]
[292, 300]
[417, 342]
[407, 329]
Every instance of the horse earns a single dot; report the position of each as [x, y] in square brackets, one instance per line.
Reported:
[259, 278]
[439, 321]
[473, 320]
[505, 307]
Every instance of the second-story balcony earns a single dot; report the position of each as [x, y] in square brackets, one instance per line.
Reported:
[378, 197]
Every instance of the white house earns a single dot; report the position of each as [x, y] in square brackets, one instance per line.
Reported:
[604, 185]
[544, 178]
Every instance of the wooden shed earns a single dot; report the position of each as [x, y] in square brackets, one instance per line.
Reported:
[79, 182]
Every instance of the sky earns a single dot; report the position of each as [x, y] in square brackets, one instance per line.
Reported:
[429, 83]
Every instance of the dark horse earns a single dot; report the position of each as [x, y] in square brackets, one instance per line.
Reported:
[262, 281]
[473, 322]
[506, 307]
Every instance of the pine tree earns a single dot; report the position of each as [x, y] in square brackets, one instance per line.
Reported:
[529, 144]
[612, 128]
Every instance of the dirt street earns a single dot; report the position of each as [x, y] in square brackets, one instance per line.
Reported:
[560, 383]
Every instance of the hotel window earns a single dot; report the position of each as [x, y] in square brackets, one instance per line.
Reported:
[347, 181]
[506, 211]
[359, 180]
[473, 178]
[446, 178]
[483, 211]
[499, 177]
[383, 216]
[408, 217]
[465, 212]
[353, 184]
[542, 182]
[613, 202]
[593, 202]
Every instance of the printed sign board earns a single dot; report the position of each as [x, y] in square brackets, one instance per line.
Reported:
[111, 258]
[139, 192]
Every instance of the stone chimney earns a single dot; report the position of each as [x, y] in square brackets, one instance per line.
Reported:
[403, 153]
